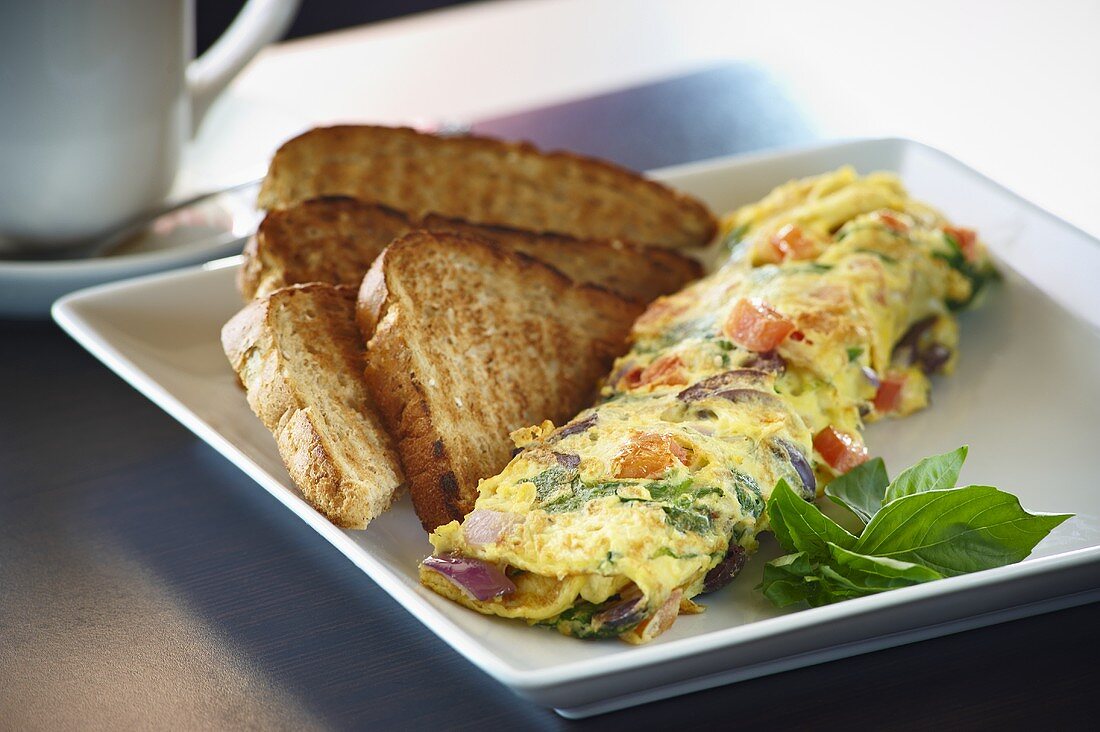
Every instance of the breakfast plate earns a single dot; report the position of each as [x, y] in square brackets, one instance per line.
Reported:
[1024, 397]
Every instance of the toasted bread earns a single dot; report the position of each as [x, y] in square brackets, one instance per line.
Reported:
[300, 357]
[335, 239]
[331, 240]
[484, 181]
[469, 342]
[634, 271]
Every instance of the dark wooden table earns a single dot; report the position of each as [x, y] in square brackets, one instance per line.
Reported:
[146, 583]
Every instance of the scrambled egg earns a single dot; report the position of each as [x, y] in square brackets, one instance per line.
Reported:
[834, 307]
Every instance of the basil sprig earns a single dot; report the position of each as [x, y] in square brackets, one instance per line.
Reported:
[919, 527]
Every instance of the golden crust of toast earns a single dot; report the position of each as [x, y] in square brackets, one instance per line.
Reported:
[470, 341]
[299, 355]
[335, 239]
[484, 181]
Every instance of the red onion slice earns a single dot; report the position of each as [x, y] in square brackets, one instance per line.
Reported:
[569, 461]
[933, 358]
[767, 361]
[802, 467]
[479, 579]
[906, 349]
[484, 526]
[723, 573]
[581, 425]
[620, 616]
[737, 378]
[750, 396]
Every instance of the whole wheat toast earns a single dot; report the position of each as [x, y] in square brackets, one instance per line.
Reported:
[468, 342]
[484, 181]
[632, 270]
[335, 239]
[300, 357]
[331, 240]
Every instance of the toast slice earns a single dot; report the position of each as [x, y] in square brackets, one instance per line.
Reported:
[632, 270]
[331, 240]
[335, 239]
[300, 357]
[470, 342]
[484, 181]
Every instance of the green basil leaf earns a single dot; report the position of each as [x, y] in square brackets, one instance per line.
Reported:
[801, 527]
[829, 593]
[794, 578]
[866, 574]
[789, 580]
[861, 489]
[939, 472]
[955, 531]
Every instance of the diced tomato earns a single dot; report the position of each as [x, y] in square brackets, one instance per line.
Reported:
[659, 311]
[791, 243]
[967, 240]
[765, 252]
[631, 378]
[648, 456]
[665, 371]
[840, 450]
[754, 325]
[893, 222]
[888, 397]
[682, 453]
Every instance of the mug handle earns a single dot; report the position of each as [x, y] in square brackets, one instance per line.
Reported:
[260, 22]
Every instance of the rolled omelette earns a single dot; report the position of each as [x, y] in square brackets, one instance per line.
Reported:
[833, 308]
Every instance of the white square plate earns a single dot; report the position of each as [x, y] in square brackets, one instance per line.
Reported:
[1025, 397]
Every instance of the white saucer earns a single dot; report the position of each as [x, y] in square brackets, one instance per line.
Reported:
[212, 228]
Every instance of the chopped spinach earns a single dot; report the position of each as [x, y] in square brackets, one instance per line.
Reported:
[669, 491]
[811, 267]
[608, 619]
[666, 552]
[687, 520]
[607, 564]
[853, 353]
[578, 495]
[884, 257]
[747, 491]
[552, 480]
[577, 622]
[980, 277]
[560, 491]
[735, 236]
[705, 327]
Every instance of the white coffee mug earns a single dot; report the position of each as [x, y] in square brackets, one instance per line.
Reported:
[97, 98]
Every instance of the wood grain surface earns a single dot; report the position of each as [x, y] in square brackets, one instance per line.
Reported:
[147, 583]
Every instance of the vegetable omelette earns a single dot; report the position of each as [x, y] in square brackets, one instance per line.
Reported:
[832, 310]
